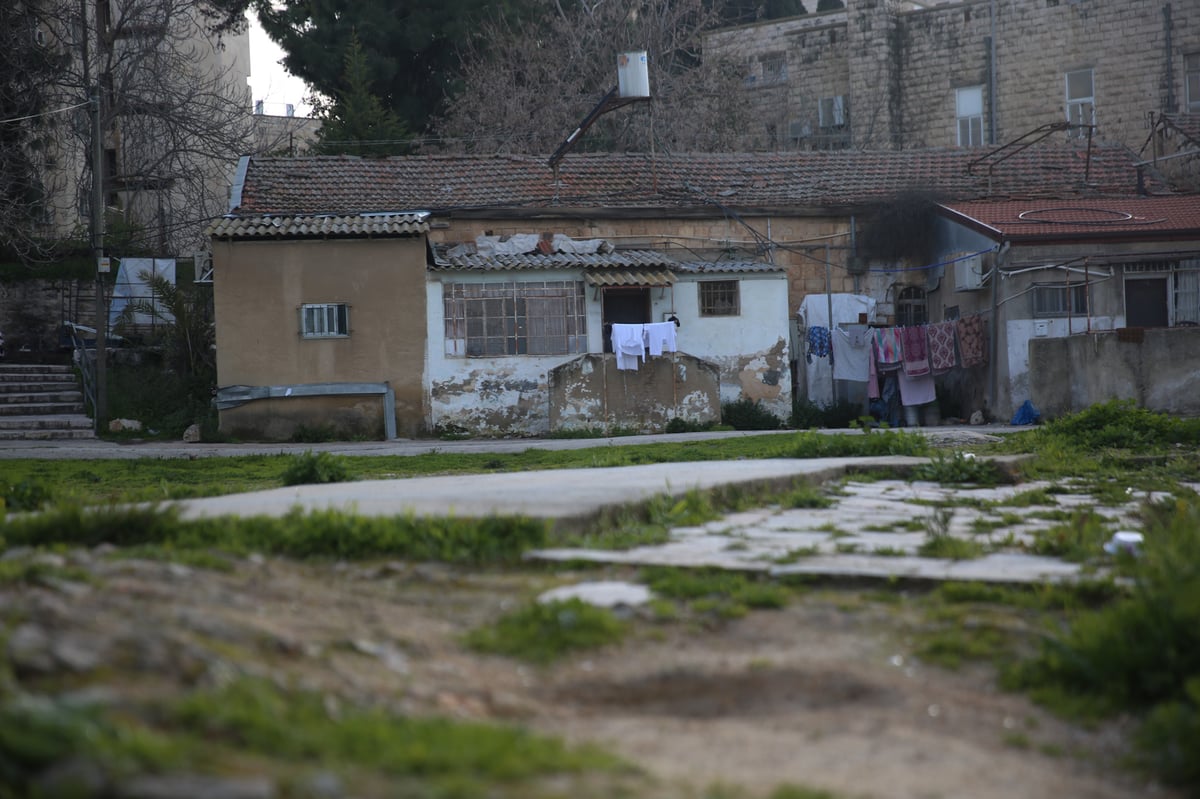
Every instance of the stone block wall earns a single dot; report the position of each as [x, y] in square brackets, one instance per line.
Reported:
[901, 68]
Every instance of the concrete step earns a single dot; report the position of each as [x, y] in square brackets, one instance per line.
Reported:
[40, 397]
[26, 386]
[62, 421]
[46, 435]
[22, 370]
[40, 408]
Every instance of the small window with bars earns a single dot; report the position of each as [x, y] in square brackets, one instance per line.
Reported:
[719, 298]
[325, 320]
[1059, 299]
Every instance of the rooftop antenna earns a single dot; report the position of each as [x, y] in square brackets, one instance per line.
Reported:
[633, 86]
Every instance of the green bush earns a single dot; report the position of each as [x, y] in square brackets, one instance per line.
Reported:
[680, 425]
[1141, 652]
[747, 414]
[315, 468]
[807, 414]
[165, 402]
[1121, 424]
[545, 631]
[24, 495]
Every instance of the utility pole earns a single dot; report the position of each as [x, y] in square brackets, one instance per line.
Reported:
[98, 249]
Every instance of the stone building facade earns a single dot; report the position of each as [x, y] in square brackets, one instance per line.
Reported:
[881, 75]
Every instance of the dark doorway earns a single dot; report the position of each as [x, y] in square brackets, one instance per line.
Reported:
[1146, 302]
[624, 306]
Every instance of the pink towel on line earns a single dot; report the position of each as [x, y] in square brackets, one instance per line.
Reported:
[916, 356]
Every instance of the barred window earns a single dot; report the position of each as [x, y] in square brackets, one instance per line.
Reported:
[719, 298]
[1059, 299]
[325, 320]
[529, 318]
[912, 307]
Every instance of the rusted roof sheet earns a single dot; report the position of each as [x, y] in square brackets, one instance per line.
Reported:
[628, 277]
[711, 182]
[645, 259]
[293, 226]
[1085, 219]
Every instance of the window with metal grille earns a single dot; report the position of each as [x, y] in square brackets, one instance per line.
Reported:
[1184, 285]
[968, 102]
[1059, 299]
[774, 68]
[911, 306]
[325, 320]
[530, 318]
[719, 298]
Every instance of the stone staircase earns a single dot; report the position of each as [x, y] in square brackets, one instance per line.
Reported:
[41, 402]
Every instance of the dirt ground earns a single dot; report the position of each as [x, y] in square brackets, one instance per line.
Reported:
[824, 693]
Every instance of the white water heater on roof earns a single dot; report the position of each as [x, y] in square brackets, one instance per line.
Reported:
[633, 75]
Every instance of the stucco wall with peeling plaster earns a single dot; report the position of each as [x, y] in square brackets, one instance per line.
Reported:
[512, 395]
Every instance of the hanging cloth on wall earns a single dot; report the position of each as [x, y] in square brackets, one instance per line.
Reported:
[887, 348]
[628, 343]
[660, 337]
[818, 342]
[971, 340]
[916, 353]
[916, 390]
[851, 353]
[941, 347]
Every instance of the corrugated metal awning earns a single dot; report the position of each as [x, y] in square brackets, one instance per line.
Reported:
[628, 277]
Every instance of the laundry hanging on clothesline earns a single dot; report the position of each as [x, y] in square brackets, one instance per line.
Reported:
[818, 342]
[631, 342]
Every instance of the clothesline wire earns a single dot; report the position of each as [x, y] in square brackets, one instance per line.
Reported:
[46, 113]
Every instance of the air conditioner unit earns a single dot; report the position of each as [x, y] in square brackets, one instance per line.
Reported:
[968, 274]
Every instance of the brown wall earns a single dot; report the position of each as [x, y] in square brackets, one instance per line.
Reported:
[259, 287]
[590, 392]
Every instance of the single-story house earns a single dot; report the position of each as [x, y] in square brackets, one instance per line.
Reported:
[411, 294]
[1083, 300]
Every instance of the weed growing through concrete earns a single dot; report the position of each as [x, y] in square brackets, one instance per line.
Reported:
[941, 543]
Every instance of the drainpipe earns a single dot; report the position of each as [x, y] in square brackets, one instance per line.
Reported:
[829, 318]
[992, 74]
[993, 346]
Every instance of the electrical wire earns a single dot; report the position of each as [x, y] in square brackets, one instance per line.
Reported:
[46, 113]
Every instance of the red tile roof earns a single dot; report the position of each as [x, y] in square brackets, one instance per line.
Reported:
[1082, 219]
[346, 184]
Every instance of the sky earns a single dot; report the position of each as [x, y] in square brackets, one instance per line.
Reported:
[269, 81]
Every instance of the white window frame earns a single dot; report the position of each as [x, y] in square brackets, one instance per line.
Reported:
[968, 113]
[1076, 293]
[1080, 108]
[325, 320]
[1191, 82]
[831, 112]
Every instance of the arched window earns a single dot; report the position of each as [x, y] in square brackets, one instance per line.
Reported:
[910, 306]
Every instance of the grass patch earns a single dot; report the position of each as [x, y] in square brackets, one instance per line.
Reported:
[321, 534]
[796, 554]
[648, 524]
[805, 496]
[315, 468]
[960, 469]
[716, 592]
[35, 571]
[1080, 539]
[545, 631]
[886, 442]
